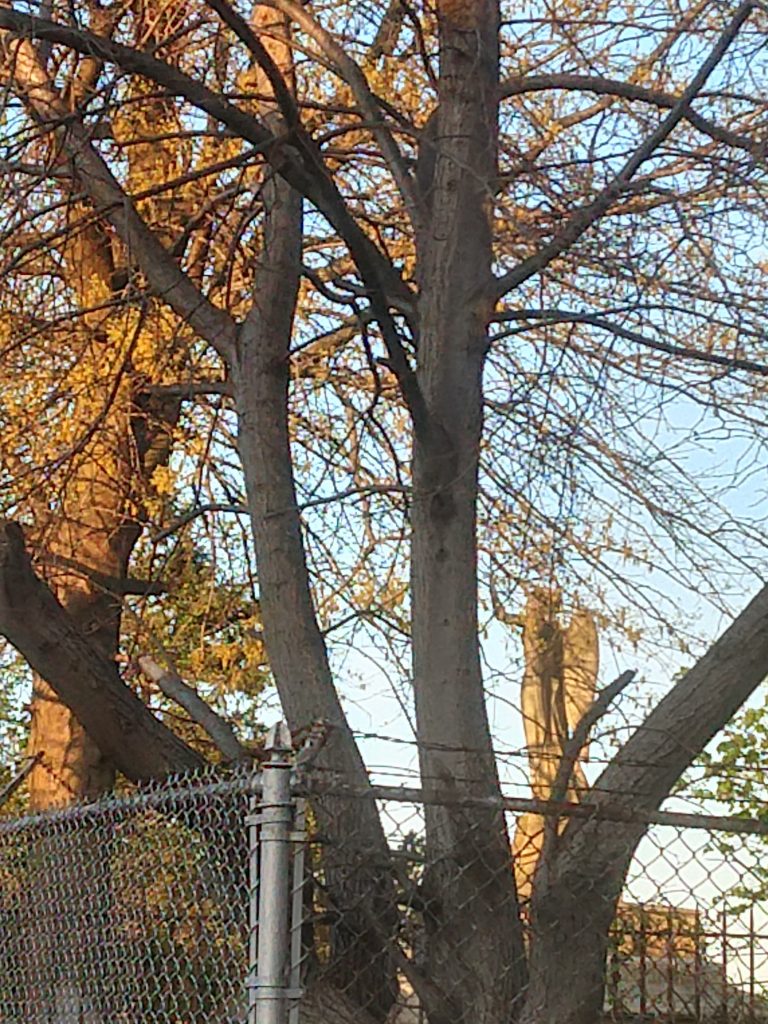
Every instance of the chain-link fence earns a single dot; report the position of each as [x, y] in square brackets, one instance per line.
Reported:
[686, 941]
[271, 898]
[132, 909]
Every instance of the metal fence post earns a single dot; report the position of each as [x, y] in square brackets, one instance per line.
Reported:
[270, 885]
[299, 837]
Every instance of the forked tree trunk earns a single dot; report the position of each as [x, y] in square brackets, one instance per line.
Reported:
[579, 884]
[475, 951]
[571, 924]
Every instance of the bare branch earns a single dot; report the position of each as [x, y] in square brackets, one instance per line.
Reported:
[555, 316]
[680, 726]
[578, 740]
[34, 622]
[600, 86]
[245, 34]
[355, 78]
[119, 586]
[193, 513]
[191, 390]
[583, 219]
[350, 492]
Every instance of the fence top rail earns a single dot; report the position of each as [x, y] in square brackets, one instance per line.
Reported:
[557, 808]
[184, 790]
[177, 792]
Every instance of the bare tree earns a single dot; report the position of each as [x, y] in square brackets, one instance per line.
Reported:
[439, 258]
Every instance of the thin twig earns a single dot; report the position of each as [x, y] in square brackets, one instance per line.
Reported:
[19, 778]
[193, 513]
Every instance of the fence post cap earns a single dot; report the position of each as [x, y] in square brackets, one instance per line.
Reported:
[278, 739]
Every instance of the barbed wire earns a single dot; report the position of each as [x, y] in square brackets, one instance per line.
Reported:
[523, 752]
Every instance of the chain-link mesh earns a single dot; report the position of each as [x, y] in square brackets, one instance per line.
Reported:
[401, 910]
[685, 941]
[129, 910]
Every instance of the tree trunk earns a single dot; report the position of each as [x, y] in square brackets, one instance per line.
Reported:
[571, 919]
[293, 641]
[355, 860]
[326, 1005]
[475, 948]
[72, 766]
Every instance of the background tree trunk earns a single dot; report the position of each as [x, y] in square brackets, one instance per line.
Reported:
[559, 684]
[87, 531]
[123, 438]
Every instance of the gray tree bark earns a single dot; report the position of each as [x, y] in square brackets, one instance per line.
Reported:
[355, 867]
[475, 947]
